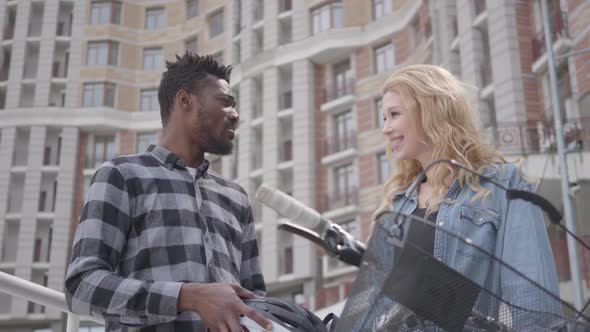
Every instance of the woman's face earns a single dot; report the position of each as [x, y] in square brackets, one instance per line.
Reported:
[403, 132]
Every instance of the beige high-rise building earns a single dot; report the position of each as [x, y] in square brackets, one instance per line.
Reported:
[79, 79]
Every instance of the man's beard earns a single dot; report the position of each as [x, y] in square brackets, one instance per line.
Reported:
[219, 147]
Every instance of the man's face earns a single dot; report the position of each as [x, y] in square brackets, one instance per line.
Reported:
[216, 118]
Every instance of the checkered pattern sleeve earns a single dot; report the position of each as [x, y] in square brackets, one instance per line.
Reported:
[92, 284]
[250, 275]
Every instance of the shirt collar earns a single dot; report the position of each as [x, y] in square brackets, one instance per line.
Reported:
[170, 160]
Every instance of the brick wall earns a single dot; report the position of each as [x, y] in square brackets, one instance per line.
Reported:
[127, 140]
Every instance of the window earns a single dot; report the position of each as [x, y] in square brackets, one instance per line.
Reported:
[383, 168]
[326, 17]
[381, 8]
[384, 58]
[343, 131]
[258, 40]
[285, 5]
[191, 44]
[192, 8]
[102, 150]
[285, 32]
[237, 24]
[344, 185]
[258, 10]
[102, 53]
[105, 12]
[343, 79]
[237, 52]
[216, 24]
[99, 94]
[379, 112]
[144, 140]
[152, 58]
[155, 19]
[149, 101]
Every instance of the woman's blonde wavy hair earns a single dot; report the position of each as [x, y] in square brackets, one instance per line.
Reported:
[437, 101]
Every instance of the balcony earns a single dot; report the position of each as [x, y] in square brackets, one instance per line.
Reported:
[523, 138]
[340, 200]
[560, 29]
[338, 91]
[63, 29]
[337, 144]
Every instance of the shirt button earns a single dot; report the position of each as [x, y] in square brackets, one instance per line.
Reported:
[441, 223]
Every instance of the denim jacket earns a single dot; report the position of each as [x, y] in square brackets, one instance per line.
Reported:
[513, 231]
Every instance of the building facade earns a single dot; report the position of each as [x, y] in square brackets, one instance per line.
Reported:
[78, 85]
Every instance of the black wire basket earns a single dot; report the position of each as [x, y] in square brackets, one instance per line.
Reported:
[401, 287]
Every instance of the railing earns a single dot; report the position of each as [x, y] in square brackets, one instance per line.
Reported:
[341, 199]
[63, 30]
[559, 29]
[32, 292]
[522, 138]
[338, 90]
[337, 144]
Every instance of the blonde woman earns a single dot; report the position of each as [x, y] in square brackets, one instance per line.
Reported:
[428, 117]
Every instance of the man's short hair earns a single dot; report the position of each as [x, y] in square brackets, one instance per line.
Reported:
[188, 73]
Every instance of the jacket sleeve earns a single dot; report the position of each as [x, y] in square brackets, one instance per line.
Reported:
[527, 249]
[92, 285]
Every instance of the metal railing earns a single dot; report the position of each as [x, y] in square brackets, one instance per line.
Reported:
[48, 297]
[335, 144]
[343, 199]
[523, 138]
[338, 90]
[559, 24]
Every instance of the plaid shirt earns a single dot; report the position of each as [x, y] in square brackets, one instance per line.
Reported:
[149, 225]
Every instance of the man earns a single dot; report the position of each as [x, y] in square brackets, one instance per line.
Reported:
[163, 242]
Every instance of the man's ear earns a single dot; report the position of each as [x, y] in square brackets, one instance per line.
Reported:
[183, 98]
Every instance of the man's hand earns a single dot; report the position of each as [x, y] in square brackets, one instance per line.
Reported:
[219, 305]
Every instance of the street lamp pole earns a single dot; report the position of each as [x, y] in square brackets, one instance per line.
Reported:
[576, 273]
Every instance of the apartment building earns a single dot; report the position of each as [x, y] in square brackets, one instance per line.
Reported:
[78, 85]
